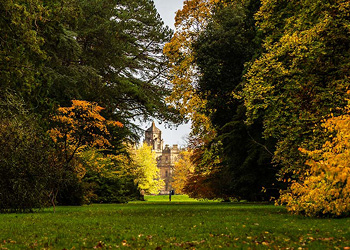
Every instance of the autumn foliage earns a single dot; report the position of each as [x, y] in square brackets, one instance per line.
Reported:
[325, 188]
[79, 127]
[82, 124]
[183, 169]
[189, 22]
[145, 170]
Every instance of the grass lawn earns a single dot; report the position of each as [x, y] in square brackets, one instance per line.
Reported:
[165, 198]
[163, 225]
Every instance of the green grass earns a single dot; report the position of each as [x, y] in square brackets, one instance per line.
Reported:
[165, 198]
[171, 225]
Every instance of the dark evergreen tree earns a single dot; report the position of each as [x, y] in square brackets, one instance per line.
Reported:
[28, 166]
[228, 43]
[106, 51]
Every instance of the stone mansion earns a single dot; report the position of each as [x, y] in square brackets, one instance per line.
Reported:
[166, 156]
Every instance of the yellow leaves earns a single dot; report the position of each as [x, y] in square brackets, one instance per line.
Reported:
[326, 190]
[183, 169]
[146, 172]
[82, 123]
[191, 19]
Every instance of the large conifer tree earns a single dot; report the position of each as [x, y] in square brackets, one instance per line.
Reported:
[107, 51]
[227, 44]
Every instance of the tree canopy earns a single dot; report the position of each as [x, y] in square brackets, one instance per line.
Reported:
[109, 52]
[301, 75]
[106, 57]
[145, 170]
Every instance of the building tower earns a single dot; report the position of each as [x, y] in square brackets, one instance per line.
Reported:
[153, 137]
[166, 157]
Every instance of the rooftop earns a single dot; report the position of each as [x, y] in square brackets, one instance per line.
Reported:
[153, 128]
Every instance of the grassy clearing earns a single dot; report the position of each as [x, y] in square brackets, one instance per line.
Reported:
[165, 198]
[152, 225]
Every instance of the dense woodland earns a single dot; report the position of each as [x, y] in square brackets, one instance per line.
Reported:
[264, 83]
[75, 76]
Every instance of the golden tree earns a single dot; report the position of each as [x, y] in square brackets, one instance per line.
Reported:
[189, 21]
[325, 188]
[80, 125]
[183, 170]
[145, 170]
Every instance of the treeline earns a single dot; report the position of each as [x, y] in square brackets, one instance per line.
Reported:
[74, 76]
[266, 84]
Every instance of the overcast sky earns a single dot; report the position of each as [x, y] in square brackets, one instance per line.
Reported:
[167, 9]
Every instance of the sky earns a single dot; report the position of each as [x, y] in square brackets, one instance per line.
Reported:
[167, 9]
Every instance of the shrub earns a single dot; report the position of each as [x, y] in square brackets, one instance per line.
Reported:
[27, 163]
[325, 188]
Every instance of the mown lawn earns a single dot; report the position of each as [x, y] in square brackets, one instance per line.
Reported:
[163, 225]
[165, 198]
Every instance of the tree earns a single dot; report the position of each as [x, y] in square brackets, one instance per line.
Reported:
[74, 128]
[301, 75]
[205, 157]
[189, 22]
[121, 50]
[109, 52]
[225, 46]
[105, 178]
[20, 43]
[183, 74]
[35, 34]
[80, 125]
[145, 170]
[325, 189]
[28, 163]
[183, 168]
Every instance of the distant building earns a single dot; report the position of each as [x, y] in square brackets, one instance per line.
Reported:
[166, 156]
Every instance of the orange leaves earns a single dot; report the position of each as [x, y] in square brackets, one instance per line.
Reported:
[183, 170]
[115, 124]
[188, 22]
[81, 125]
[326, 189]
[193, 13]
[183, 74]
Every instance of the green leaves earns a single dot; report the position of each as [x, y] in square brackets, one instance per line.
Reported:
[123, 42]
[105, 51]
[299, 76]
[27, 159]
[222, 50]
[20, 42]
